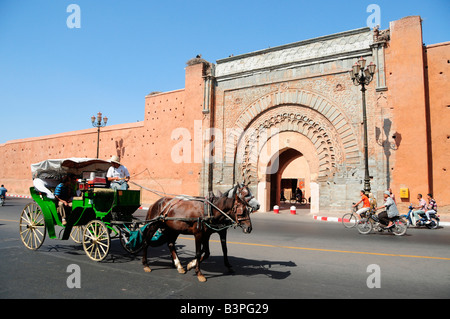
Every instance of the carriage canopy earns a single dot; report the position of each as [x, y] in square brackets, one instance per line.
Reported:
[56, 168]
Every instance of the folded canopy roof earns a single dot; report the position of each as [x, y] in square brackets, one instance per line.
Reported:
[56, 168]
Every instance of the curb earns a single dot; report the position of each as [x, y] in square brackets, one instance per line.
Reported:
[328, 219]
[19, 196]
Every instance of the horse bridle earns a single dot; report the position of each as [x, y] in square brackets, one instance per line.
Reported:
[239, 211]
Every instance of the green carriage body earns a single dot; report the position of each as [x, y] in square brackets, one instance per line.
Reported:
[97, 211]
[97, 203]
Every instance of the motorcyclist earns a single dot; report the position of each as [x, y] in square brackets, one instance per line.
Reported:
[3, 191]
[420, 208]
[390, 212]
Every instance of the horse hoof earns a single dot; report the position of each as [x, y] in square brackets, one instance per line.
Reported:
[181, 270]
[201, 278]
[147, 269]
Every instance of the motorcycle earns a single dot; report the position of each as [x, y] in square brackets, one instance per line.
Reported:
[422, 221]
[371, 222]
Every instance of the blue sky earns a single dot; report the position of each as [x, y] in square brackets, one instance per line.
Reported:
[53, 78]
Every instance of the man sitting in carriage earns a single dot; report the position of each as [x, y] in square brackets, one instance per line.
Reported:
[64, 193]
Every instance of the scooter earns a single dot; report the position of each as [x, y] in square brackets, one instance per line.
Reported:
[2, 200]
[372, 222]
[422, 221]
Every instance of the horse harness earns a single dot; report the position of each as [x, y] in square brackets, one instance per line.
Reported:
[207, 207]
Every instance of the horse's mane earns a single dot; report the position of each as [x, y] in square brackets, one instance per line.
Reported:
[231, 192]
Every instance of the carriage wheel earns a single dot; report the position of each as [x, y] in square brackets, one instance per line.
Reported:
[77, 234]
[96, 241]
[32, 226]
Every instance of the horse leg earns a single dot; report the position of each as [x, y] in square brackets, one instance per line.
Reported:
[223, 243]
[198, 254]
[204, 253]
[174, 254]
[148, 234]
[144, 258]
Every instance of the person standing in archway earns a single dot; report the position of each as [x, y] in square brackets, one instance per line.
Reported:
[299, 195]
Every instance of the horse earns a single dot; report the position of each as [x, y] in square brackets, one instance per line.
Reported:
[222, 225]
[188, 215]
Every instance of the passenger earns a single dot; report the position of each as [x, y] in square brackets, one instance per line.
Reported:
[431, 208]
[366, 204]
[373, 202]
[118, 174]
[391, 210]
[64, 195]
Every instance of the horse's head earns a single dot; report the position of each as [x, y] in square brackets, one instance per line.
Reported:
[242, 208]
[247, 196]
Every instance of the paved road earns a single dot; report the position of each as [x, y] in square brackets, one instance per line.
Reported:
[285, 257]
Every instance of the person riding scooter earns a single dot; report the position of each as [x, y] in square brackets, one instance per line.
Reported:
[391, 210]
[3, 191]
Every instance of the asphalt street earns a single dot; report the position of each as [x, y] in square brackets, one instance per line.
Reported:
[285, 257]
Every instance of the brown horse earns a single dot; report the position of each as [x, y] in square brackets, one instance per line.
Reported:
[222, 224]
[189, 215]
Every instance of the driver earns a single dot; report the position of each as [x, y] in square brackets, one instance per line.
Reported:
[421, 208]
[118, 174]
[391, 210]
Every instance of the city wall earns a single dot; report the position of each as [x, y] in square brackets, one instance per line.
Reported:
[419, 98]
[143, 147]
[304, 90]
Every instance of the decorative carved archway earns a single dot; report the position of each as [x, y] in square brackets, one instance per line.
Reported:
[300, 111]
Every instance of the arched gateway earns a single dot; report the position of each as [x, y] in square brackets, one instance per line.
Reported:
[296, 102]
[284, 125]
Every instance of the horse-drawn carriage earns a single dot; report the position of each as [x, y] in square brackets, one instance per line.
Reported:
[98, 212]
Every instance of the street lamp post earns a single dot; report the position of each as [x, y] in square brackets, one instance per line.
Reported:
[97, 122]
[362, 75]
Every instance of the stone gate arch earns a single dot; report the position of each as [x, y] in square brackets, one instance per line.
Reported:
[313, 116]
